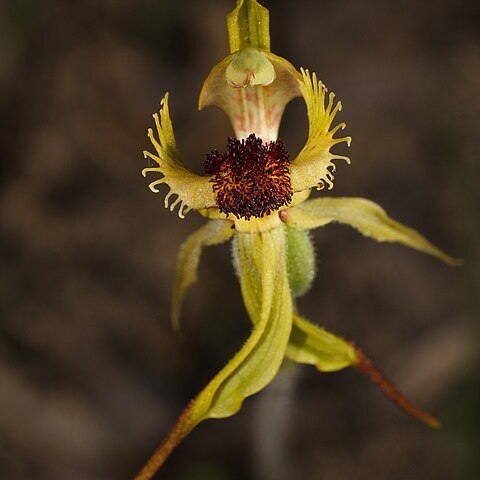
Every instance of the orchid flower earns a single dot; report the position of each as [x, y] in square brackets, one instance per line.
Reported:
[255, 195]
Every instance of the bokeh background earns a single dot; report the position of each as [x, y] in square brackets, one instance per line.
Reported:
[91, 377]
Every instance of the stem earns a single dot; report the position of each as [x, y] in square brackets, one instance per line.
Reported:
[366, 366]
[271, 425]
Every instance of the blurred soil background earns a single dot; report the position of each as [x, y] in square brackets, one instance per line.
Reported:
[91, 377]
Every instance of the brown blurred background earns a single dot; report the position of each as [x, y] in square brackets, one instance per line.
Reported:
[91, 376]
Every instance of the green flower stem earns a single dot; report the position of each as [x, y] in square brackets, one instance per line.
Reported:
[272, 422]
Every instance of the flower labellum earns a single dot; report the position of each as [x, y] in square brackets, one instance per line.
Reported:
[256, 196]
[251, 179]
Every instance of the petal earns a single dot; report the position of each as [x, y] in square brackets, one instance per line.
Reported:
[213, 233]
[315, 346]
[314, 165]
[365, 216]
[192, 191]
[252, 109]
[264, 283]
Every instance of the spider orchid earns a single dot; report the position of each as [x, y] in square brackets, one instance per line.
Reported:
[255, 195]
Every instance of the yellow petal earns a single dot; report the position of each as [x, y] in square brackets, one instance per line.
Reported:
[248, 25]
[315, 346]
[264, 283]
[365, 216]
[192, 191]
[314, 165]
[253, 109]
[212, 233]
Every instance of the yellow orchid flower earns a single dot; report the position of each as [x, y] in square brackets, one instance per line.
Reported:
[255, 195]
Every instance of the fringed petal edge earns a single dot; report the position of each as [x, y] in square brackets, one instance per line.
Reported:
[192, 191]
[314, 165]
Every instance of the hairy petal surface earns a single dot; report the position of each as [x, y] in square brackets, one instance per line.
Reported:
[365, 216]
[314, 165]
[192, 191]
[263, 275]
[212, 233]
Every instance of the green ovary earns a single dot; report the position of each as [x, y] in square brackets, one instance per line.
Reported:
[301, 264]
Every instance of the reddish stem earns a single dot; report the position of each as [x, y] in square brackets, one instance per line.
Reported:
[366, 366]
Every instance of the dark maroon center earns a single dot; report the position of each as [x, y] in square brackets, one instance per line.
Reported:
[251, 179]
